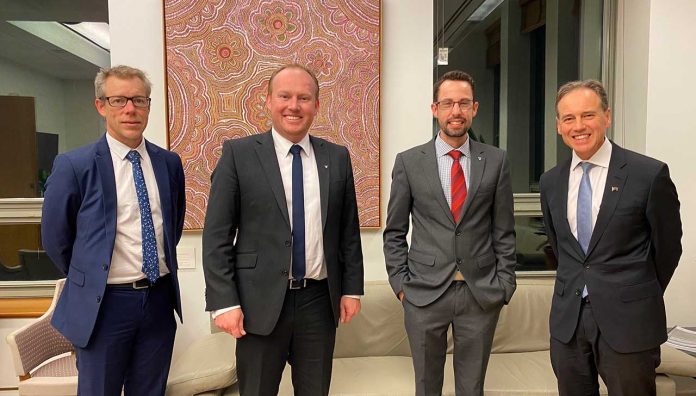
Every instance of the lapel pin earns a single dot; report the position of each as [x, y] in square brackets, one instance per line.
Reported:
[326, 167]
[479, 158]
[614, 189]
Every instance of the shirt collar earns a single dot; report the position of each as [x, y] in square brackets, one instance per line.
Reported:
[600, 158]
[442, 148]
[121, 150]
[282, 145]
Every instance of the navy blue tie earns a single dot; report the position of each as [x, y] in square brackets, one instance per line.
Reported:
[150, 259]
[298, 219]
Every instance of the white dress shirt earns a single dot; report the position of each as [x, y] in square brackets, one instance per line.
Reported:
[598, 180]
[445, 161]
[127, 257]
[314, 238]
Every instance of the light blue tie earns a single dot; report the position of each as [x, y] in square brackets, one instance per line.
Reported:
[150, 259]
[584, 211]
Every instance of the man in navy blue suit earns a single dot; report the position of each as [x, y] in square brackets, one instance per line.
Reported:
[113, 213]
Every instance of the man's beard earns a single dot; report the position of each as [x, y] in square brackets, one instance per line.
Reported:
[455, 133]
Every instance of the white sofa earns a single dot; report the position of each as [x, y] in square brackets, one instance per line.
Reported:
[372, 356]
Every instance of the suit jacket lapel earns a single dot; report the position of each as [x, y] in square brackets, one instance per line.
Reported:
[105, 167]
[321, 155]
[616, 178]
[432, 174]
[562, 205]
[269, 163]
[159, 167]
[477, 162]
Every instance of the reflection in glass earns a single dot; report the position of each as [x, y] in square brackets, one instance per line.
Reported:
[21, 255]
[533, 250]
[519, 52]
[46, 88]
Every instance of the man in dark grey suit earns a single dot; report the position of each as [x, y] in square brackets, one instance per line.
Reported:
[612, 219]
[281, 243]
[460, 268]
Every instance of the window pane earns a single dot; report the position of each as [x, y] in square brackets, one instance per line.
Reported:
[47, 71]
[519, 52]
[533, 250]
[21, 255]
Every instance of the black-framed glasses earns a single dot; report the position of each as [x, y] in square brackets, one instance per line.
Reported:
[121, 101]
[448, 104]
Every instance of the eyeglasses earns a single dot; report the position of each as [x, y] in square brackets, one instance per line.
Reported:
[448, 104]
[121, 101]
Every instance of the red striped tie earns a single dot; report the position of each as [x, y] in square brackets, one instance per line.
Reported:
[458, 185]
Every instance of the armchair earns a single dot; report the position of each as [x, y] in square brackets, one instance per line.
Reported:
[43, 359]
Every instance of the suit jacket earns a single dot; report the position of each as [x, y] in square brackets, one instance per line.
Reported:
[247, 238]
[78, 228]
[481, 245]
[633, 252]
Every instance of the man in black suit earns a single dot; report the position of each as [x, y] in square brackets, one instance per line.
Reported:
[281, 244]
[612, 218]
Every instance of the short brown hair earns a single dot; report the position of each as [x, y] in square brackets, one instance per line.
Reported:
[123, 72]
[294, 66]
[593, 85]
[454, 75]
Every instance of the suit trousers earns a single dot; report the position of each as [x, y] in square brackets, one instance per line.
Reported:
[132, 342]
[304, 337]
[578, 363]
[472, 330]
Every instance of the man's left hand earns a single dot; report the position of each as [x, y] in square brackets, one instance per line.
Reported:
[349, 308]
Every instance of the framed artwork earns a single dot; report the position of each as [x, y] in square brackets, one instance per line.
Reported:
[220, 55]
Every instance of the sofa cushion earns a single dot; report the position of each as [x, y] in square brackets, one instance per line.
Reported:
[379, 328]
[208, 364]
[676, 362]
[523, 325]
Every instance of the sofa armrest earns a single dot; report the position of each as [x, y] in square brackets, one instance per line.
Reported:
[676, 362]
[208, 364]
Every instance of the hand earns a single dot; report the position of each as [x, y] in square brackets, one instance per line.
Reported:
[349, 307]
[401, 296]
[232, 322]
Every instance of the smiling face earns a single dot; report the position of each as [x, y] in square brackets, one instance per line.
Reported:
[125, 124]
[582, 122]
[292, 103]
[456, 121]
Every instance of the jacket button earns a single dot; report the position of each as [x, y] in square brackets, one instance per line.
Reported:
[98, 299]
[578, 292]
[587, 266]
[287, 243]
[105, 267]
[459, 233]
[285, 272]
[459, 261]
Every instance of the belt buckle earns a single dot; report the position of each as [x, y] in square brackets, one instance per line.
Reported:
[145, 286]
[297, 284]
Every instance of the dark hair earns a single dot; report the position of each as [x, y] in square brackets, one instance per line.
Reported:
[593, 85]
[454, 75]
[294, 66]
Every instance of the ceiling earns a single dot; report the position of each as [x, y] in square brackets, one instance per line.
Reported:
[27, 50]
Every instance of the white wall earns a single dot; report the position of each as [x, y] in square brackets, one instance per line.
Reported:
[671, 130]
[406, 88]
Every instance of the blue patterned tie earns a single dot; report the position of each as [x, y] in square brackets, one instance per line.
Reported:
[584, 213]
[298, 218]
[150, 259]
